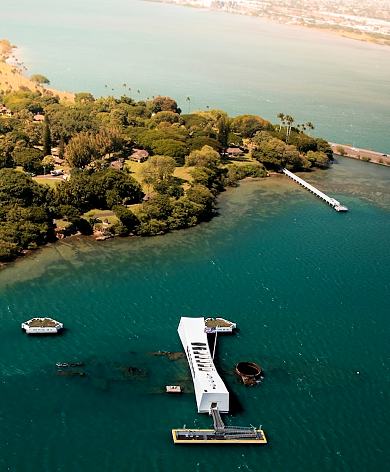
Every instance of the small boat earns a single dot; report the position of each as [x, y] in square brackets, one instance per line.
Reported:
[70, 364]
[42, 326]
[173, 389]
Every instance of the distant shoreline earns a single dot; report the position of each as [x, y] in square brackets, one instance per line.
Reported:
[343, 32]
[12, 79]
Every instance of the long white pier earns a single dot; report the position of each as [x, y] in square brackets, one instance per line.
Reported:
[330, 201]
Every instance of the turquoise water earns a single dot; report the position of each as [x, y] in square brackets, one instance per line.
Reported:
[240, 64]
[308, 287]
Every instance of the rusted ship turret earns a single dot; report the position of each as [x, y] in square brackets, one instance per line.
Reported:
[249, 372]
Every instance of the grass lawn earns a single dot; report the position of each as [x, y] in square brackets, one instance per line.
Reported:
[134, 207]
[240, 161]
[135, 169]
[183, 173]
[103, 215]
[47, 181]
[62, 223]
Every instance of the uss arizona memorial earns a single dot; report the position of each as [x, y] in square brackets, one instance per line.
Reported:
[210, 391]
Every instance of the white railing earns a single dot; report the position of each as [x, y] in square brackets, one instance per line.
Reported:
[331, 201]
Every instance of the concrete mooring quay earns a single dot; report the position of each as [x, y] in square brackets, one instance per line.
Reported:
[330, 201]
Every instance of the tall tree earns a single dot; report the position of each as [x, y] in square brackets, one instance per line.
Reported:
[160, 103]
[81, 150]
[46, 137]
[158, 169]
[281, 117]
[248, 125]
[223, 132]
[205, 157]
[61, 148]
[310, 125]
[289, 120]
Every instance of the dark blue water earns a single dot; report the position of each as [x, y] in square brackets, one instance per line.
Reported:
[308, 287]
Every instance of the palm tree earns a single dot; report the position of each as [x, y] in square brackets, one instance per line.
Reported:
[281, 117]
[188, 99]
[310, 125]
[289, 120]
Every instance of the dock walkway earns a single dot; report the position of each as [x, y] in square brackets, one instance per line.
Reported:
[330, 201]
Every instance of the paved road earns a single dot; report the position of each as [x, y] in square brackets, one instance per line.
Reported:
[362, 154]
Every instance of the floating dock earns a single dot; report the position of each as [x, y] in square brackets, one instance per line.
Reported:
[210, 436]
[221, 434]
[218, 325]
[42, 326]
[330, 201]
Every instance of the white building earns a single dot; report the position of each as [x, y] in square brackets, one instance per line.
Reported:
[209, 387]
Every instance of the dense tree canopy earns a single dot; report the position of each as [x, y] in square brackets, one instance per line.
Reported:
[33, 102]
[275, 153]
[67, 121]
[248, 125]
[206, 157]
[103, 189]
[25, 218]
[158, 169]
[91, 141]
[164, 104]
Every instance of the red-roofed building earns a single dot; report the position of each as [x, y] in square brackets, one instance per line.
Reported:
[139, 155]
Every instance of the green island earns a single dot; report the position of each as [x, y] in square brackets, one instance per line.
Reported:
[117, 167]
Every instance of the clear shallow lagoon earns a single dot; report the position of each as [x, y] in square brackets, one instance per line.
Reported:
[240, 64]
[308, 287]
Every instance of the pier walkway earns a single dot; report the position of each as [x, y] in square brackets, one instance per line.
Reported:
[330, 201]
[232, 432]
[219, 425]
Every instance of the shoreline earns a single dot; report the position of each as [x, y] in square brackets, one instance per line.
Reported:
[79, 237]
[34, 255]
[13, 76]
[346, 33]
[7, 55]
